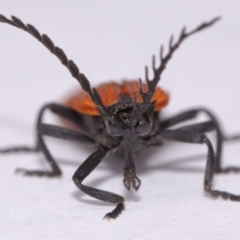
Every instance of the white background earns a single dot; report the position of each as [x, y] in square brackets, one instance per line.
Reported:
[112, 40]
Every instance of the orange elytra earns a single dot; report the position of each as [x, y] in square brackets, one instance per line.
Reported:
[110, 94]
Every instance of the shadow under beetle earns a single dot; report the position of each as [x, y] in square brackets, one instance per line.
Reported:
[122, 116]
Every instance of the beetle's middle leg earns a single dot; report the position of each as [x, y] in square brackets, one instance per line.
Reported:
[53, 131]
[190, 114]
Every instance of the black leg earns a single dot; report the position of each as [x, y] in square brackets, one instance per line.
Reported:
[187, 136]
[85, 169]
[179, 118]
[54, 131]
[64, 133]
[68, 113]
[190, 114]
[199, 127]
[202, 127]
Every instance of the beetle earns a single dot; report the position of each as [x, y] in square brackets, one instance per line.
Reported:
[121, 116]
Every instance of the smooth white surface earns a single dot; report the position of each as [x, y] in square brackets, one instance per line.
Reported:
[112, 40]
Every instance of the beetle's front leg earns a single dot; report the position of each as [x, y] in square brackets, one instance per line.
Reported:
[190, 136]
[85, 169]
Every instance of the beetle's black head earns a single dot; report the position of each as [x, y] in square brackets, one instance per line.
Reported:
[127, 115]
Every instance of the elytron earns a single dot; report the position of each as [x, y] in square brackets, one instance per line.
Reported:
[121, 116]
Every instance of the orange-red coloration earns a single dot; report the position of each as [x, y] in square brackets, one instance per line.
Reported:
[110, 94]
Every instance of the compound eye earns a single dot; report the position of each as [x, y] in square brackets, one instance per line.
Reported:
[144, 125]
[113, 129]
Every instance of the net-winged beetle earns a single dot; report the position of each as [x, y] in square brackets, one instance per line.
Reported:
[121, 115]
